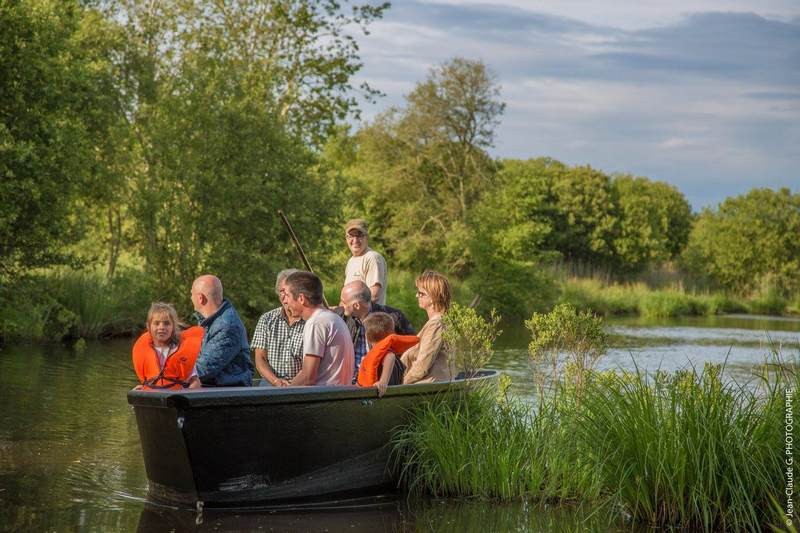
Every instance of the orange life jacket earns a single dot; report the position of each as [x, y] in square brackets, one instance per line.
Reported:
[178, 365]
[371, 364]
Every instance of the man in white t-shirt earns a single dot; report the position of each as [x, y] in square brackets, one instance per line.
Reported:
[366, 264]
[328, 356]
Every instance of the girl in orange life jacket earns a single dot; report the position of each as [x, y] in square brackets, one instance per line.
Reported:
[382, 358]
[163, 356]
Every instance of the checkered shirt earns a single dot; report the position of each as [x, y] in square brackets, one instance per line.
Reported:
[283, 343]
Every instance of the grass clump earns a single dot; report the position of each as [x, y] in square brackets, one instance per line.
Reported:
[684, 450]
[474, 447]
[69, 304]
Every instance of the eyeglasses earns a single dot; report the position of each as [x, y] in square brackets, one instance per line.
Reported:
[355, 236]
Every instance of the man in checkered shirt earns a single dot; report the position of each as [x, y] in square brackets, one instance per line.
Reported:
[278, 340]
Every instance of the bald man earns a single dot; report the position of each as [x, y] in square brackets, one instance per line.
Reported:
[224, 359]
[355, 303]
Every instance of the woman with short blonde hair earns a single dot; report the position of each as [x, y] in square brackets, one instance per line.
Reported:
[428, 361]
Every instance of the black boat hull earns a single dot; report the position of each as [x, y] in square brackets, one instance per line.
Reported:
[255, 446]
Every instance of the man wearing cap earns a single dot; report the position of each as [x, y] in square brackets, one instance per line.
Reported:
[366, 264]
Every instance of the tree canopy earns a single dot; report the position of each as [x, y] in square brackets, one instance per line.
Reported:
[749, 242]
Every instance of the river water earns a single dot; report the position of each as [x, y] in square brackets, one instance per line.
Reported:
[70, 458]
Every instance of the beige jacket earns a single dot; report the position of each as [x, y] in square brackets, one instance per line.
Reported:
[428, 361]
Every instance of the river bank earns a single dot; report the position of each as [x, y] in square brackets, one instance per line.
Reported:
[69, 305]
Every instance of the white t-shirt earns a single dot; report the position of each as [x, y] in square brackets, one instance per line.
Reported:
[326, 336]
[370, 267]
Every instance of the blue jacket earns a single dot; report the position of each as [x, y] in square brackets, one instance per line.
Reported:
[224, 359]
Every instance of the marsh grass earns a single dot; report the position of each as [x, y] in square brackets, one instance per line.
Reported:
[474, 447]
[492, 446]
[689, 450]
[59, 305]
[610, 299]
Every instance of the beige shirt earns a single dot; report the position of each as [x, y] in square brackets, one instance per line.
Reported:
[428, 361]
[369, 267]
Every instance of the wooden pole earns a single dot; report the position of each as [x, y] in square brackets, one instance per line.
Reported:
[298, 247]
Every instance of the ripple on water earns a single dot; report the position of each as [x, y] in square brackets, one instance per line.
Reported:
[699, 335]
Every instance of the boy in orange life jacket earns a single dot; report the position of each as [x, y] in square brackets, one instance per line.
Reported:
[382, 358]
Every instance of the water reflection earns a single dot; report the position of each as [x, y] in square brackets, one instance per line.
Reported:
[402, 515]
[387, 516]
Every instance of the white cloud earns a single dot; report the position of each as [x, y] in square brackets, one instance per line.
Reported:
[629, 15]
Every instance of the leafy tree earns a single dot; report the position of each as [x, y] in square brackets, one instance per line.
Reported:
[519, 215]
[654, 222]
[749, 242]
[56, 102]
[432, 155]
[298, 57]
[223, 100]
[586, 216]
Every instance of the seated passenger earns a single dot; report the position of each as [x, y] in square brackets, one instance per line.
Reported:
[428, 361]
[164, 356]
[328, 357]
[278, 340]
[355, 306]
[382, 359]
[224, 359]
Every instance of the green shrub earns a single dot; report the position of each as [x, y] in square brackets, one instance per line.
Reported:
[514, 288]
[470, 337]
[564, 338]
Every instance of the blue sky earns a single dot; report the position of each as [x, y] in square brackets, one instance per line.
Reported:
[704, 95]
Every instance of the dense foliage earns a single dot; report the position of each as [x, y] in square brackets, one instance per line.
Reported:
[57, 104]
[749, 242]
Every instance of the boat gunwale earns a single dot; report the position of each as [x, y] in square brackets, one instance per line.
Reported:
[263, 395]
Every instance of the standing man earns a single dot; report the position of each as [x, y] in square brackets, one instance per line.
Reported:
[224, 359]
[328, 351]
[355, 306]
[366, 264]
[278, 339]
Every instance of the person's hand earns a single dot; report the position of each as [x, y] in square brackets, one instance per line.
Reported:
[381, 388]
[281, 382]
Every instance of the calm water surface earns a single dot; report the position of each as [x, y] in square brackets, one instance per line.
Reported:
[70, 458]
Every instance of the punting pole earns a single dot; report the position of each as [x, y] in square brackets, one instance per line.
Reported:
[298, 247]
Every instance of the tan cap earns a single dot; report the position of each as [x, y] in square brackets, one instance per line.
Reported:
[356, 223]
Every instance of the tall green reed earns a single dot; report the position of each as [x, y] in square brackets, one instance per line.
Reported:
[687, 450]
